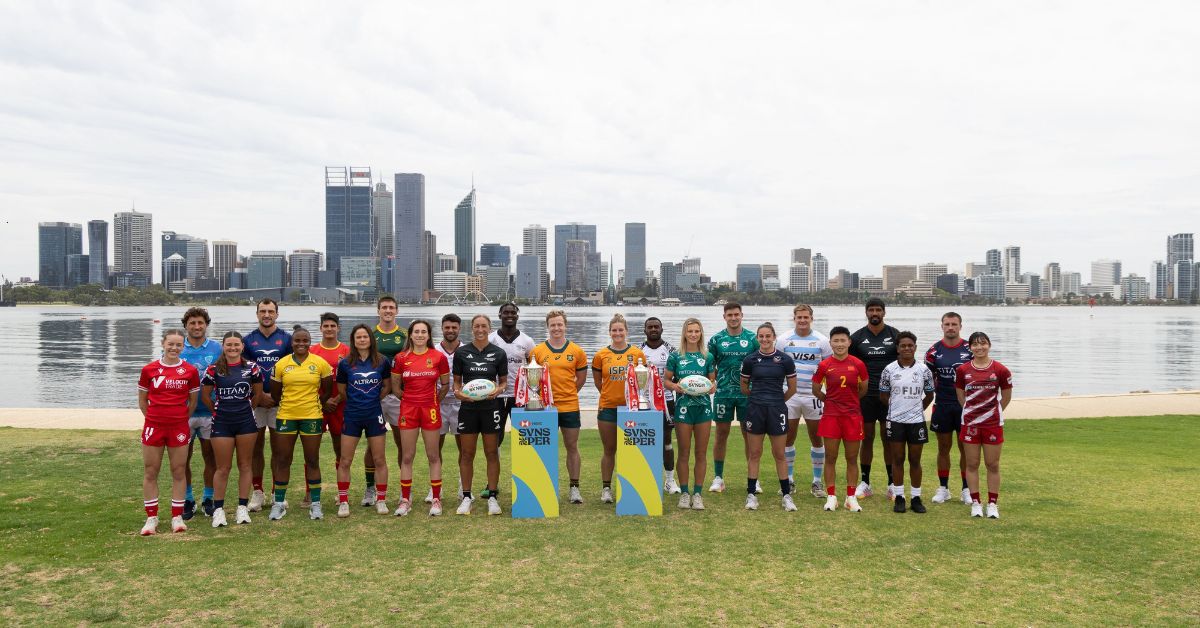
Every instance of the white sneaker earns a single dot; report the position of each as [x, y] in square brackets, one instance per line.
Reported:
[717, 486]
[671, 487]
[757, 487]
[151, 527]
[278, 510]
[976, 509]
[243, 515]
[177, 524]
[464, 508]
[381, 506]
[966, 496]
[574, 496]
[751, 502]
[863, 490]
[697, 502]
[942, 495]
[831, 502]
[403, 508]
[493, 506]
[305, 502]
[435, 507]
[606, 495]
[343, 510]
[993, 511]
[818, 489]
[429, 496]
[314, 511]
[369, 496]
[685, 501]
[257, 498]
[852, 504]
[788, 504]
[218, 518]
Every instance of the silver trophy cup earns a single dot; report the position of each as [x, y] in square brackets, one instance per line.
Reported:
[641, 374]
[533, 380]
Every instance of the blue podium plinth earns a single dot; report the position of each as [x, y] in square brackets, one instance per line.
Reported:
[534, 462]
[639, 470]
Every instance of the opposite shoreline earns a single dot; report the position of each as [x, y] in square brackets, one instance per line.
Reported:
[1065, 407]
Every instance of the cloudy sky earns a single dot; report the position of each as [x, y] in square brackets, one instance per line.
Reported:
[874, 132]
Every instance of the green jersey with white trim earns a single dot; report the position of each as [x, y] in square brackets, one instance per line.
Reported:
[727, 352]
[684, 365]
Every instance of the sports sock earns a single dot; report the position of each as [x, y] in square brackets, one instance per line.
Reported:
[668, 457]
[831, 490]
[494, 492]
[343, 492]
[208, 493]
[151, 506]
[575, 483]
[607, 484]
[696, 489]
[256, 483]
[785, 485]
[176, 508]
[683, 488]
[466, 494]
[898, 490]
[381, 492]
[992, 497]
[818, 461]
[243, 501]
[280, 490]
[719, 468]
[975, 498]
[405, 489]
[915, 491]
[944, 478]
[218, 504]
[436, 485]
[789, 453]
[190, 497]
[751, 484]
[314, 489]
[850, 490]
[964, 479]
[866, 473]
[370, 475]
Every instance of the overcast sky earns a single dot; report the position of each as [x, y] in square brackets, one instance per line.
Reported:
[873, 132]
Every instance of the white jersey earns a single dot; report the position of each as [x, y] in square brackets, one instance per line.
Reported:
[450, 403]
[518, 356]
[807, 352]
[658, 357]
[907, 387]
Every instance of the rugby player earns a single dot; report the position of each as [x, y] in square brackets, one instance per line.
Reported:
[727, 349]
[421, 375]
[657, 351]
[875, 345]
[807, 348]
[168, 389]
[516, 346]
[229, 388]
[609, 366]
[944, 358]
[365, 376]
[566, 366]
[302, 382]
[333, 350]
[984, 389]
[694, 412]
[839, 383]
[200, 351]
[906, 388]
[449, 343]
[768, 381]
[479, 360]
[264, 346]
[389, 340]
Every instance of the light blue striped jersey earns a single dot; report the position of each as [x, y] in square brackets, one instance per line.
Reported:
[807, 352]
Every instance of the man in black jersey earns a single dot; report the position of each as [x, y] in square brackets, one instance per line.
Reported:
[875, 344]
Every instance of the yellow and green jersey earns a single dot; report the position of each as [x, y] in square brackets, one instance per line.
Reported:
[301, 383]
[392, 342]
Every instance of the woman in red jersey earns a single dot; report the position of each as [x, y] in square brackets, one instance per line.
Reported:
[421, 377]
[839, 383]
[984, 388]
[168, 391]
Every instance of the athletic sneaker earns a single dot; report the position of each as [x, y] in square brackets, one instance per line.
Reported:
[314, 511]
[369, 496]
[899, 505]
[177, 524]
[751, 501]
[670, 486]
[243, 515]
[207, 506]
[891, 492]
[218, 518]
[574, 496]
[993, 511]
[278, 510]
[788, 504]
[831, 502]
[429, 496]
[435, 507]
[976, 509]
[305, 502]
[717, 486]
[916, 505]
[942, 495]
[381, 506]
[493, 506]
[852, 504]
[256, 501]
[818, 488]
[757, 487]
[343, 510]
[606, 495]
[464, 508]
[189, 509]
[863, 490]
[151, 526]
[685, 501]
[697, 502]
[403, 508]
[966, 496]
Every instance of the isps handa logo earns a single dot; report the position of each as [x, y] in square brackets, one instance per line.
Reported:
[638, 436]
[533, 435]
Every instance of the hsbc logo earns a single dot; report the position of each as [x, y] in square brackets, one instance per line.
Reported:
[631, 424]
[526, 423]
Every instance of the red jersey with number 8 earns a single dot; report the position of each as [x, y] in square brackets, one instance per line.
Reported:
[841, 378]
[981, 387]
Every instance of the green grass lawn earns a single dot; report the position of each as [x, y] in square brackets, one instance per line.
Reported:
[1100, 526]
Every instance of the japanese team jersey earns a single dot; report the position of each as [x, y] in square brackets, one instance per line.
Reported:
[727, 352]
[807, 352]
[562, 364]
[419, 373]
[658, 357]
[233, 391]
[472, 363]
[301, 383]
[518, 356]
[265, 351]
[389, 343]
[683, 365]
[168, 390]
[841, 378]
[364, 383]
[876, 351]
[944, 361]
[611, 365]
[767, 374]
[981, 387]
[201, 357]
[907, 386]
[333, 357]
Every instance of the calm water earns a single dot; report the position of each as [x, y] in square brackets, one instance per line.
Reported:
[90, 357]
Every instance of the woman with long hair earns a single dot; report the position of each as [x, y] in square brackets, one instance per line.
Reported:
[230, 385]
[693, 412]
[167, 395]
[420, 374]
[608, 374]
[364, 376]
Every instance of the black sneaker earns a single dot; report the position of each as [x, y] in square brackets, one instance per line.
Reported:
[207, 507]
[189, 509]
[917, 506]
[899, 505]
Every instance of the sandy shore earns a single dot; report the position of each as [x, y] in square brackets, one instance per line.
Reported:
[1069, 407]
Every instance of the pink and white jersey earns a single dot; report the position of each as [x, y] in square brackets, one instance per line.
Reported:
[981, 388]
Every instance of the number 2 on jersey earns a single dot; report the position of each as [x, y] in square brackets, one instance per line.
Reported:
[843, 378]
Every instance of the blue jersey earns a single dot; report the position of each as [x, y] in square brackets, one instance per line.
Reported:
[233, 391]
[944, 361]
[363, 383]
[265, 351]
[768, 374]
[807, 352]
[201, 357]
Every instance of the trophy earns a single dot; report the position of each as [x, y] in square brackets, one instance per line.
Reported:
[642, 375]
[533, 380]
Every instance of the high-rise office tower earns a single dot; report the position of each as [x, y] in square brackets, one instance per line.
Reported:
[412, 274]
[225, 258]
[98, 252]
[819, 273]
[528, 277]
[533, 242]
[798, 277]
[896, 275]
[562, 234]
[1072, 282]
[133, 247]
[172, 243]
[266, 269]
[749, 277]
[197, 258]
[56, 241]
[429, 265]
[349, 216]
[929, 272]
[464, 233]
[1012, 264]
[635, 254]
[381, 209]
[668, 276]
[802, 256]
[995, 263]
[691, 265]
[1180, 246]
[1052, 281]
[576, 268]
[492, 254]
[1106, 272]
[1160, 280]
[174, 269]
[303, 265]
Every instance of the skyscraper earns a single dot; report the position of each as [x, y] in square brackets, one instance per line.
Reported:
[798, 277]
[995, 264]
[197, 258]
[174, 270]
[303, 265]
[1012, 264]
[429, 265]
[533, 242]
[349, 216]
[492, 254]
[1052, 281]
[749, 277]
[635, 254]
[1072, 282]
[668, 274]
[896, 275]
[802, 256]
[172, 243]
[576, 268]
[464, 233]
[1106, 272]
[819, 273]
[266, 269]
[132, 244]
[224, 261]
[98, 252]
[381, 209]
[929, 272]
[1180, 246]
[57, 240]
[529, 277]
[563, 233]
[412, 274]
[1160, 279]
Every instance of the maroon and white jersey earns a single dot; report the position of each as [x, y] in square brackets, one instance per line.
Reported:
[168, 389]
[981, 387]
